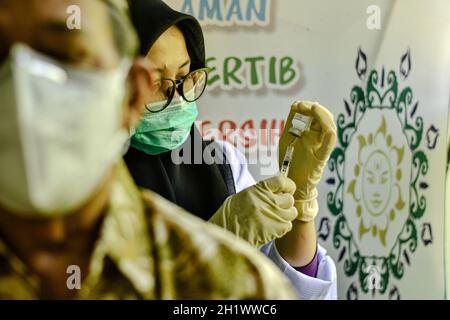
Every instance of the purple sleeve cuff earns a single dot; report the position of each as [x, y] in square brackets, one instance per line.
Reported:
[311, 268]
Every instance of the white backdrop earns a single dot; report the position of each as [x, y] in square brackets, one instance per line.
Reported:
[382, 198]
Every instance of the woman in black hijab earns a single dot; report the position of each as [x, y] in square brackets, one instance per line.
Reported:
[174, 43]
[199, 188]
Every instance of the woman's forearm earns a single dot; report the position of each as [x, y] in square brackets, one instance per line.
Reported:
[298, 246]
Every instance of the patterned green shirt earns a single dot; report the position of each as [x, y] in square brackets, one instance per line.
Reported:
[149, 248]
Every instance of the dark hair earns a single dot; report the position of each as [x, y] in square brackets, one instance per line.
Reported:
[151, 18]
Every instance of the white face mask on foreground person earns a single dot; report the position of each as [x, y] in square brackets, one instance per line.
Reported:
[57, 124]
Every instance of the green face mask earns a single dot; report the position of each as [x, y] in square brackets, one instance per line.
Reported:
[165, 130]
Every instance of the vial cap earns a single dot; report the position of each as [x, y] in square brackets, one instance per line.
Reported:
[295, 131]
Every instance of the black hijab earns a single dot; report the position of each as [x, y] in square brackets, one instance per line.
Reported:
[198, 188]
[152, 18]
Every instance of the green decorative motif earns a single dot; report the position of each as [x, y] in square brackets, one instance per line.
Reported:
[378, 158]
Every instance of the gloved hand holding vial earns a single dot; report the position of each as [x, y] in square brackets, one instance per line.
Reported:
[305, 145]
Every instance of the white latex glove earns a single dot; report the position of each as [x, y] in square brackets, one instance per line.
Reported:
[260, 213]
[311, 152]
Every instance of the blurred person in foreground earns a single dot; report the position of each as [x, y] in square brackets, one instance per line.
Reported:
[67, 101]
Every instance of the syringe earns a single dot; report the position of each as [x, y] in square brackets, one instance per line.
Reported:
[287, 159]
[300, 124]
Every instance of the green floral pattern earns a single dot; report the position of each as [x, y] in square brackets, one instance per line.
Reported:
[382, 92]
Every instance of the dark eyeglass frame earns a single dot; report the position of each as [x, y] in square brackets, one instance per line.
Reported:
[178, 86]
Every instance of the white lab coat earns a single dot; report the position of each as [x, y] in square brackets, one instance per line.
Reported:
[321, 287]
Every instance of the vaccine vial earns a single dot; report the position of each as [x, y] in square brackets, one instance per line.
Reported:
[300, 124]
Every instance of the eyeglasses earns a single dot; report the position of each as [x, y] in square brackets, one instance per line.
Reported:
[190, 88]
